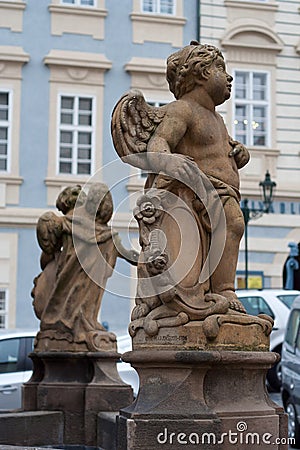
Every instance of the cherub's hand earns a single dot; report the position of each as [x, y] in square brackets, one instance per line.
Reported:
[130, 256]
[180, 167]
[183, 168]
[133, 256]
[240, 153]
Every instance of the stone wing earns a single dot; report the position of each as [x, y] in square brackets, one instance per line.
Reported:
[132, 125]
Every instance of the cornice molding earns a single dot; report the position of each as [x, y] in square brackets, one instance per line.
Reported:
[77, 59]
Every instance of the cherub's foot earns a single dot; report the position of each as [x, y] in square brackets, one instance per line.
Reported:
[235, 305]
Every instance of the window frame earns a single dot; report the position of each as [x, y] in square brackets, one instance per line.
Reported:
[8, 124]
[252, 305]
[4, 312]
[157, 6]
[78, 4]
[292, 331]
[75, 128]
[250, 104]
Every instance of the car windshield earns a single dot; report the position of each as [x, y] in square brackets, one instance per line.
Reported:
[287, 300]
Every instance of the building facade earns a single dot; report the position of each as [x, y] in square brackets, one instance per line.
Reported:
[260, 41]
[63, 66]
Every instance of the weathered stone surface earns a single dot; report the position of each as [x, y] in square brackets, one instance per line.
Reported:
[201, 359]
[190, 221]
[74, 359]
[231, 334]
[32, 428]
[17, 447]
[79, 253]
[107, 430]
[214, 399]
[80, 385]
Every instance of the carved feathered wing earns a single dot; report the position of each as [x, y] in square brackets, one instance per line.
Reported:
[132, 125]
[49, 232]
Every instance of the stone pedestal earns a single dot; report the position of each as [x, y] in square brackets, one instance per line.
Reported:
[201, 399]
[80, 385]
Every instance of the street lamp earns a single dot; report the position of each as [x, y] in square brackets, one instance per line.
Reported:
[268, 187]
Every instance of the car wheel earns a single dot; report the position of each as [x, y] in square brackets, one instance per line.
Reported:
[274, 377]
[293, 424]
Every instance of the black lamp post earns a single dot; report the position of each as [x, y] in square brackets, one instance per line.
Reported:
[268, 187]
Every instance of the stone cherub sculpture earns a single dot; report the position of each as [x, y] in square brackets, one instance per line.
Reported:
[79, 252]
[190, 219]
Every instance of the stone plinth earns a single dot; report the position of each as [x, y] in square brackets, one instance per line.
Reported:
[208, 399]
[216, 332]
[31, 428]
[80, 385]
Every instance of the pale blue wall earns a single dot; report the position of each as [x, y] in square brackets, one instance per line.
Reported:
[37, 41]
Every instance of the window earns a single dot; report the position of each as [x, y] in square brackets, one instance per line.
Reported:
[3, 307]
[292, 328]
[12, 59]
[251, 113]
[76, 135]
[287, 300]
[14, 354]
[158, 6]
[76, 101]
[79, 2]
[5, 114]
[9, 353]
[256, 305]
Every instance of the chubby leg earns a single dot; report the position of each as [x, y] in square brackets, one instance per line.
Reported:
[223, 278]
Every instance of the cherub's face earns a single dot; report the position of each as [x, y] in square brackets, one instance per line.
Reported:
[218, 84]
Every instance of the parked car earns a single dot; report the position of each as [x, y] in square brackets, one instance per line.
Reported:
[290, 364]
[277, 304]
[16, 366]
[126, 372]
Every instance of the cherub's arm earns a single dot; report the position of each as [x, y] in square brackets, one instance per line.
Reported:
[239, 152]
[162, 147]
[171, 129]
[130, 256]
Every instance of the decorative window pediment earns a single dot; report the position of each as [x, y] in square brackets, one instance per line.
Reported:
[149, 75]
[251, 42]
[11, 15]
[157, 27]
[80, 17]
[252, 35]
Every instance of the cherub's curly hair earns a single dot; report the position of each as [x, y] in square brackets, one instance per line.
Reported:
[68, 197]
[192, 61]
[99, 203]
